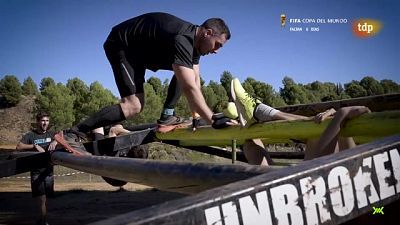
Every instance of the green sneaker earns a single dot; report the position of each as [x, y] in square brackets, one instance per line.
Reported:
[231, 111]
[244, 102]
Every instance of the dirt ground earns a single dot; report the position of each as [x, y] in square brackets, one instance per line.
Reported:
[75, 202]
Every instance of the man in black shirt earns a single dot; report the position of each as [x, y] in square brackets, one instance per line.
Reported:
[42, 180]
[156, 41]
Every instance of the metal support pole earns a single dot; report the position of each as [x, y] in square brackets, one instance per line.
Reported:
[233, 151]
[184, 177]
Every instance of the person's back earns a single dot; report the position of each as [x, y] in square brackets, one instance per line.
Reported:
[152, 38]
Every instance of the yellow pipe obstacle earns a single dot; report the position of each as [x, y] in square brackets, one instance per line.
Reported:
[365, 128]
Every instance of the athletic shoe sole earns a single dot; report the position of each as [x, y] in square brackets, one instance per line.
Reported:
[176, 121]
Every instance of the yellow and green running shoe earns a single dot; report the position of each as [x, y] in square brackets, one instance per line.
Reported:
[245, 103]
[231, 111]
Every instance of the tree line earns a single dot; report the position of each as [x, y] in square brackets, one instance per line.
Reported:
[70, 103]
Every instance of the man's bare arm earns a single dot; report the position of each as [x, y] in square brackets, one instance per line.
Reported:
[195, 115]
[187, 81]
[22, 146]
[196, 69]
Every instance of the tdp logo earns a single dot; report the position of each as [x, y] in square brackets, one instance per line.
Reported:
[366, 27]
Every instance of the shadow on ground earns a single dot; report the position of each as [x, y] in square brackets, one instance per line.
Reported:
[78, 206]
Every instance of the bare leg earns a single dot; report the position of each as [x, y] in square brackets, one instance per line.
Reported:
[288, 116]
[255, 153]
[126, 109]
[314, 149]
[312, 145]
[254, 149]
[327, 144]
[346, 143]
[318, 118]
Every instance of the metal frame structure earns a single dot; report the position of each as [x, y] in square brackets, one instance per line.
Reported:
[328, 190]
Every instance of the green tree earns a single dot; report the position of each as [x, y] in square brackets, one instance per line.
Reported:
[80, 91]
[225, 80]
[209, 96]
[277, 101]
[221, 97]
[344, 95]
[156, 84]
[247, 85]
[58, 101]
[354, 89]
[152, 107]
[319, 91]
[29, 87]
[165, 86]
[46, 82]
[182, 107]
[390, 86]
[372, 86]
[263, 91]
[292, 93]
[202, 82]
[310, 95]
[98, 98]
[10, 89]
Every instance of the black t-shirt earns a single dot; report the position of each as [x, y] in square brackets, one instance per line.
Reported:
[43, 140]
[157, 40]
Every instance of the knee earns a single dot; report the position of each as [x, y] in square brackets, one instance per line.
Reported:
[112, 132]
[130, 109]
[132, 105]
[133, 110]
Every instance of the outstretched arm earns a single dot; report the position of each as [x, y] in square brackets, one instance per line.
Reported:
[196, 69]
[187, 80]
[326, 144]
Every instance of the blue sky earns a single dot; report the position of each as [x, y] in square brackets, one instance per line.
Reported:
[63, 39]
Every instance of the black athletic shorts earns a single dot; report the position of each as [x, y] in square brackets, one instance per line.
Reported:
[128, 74]
[42, 182]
